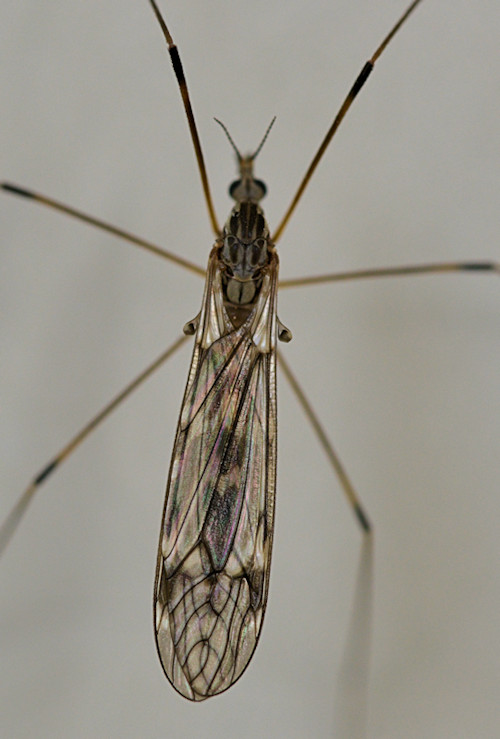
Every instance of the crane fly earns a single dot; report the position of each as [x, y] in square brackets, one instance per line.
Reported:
[215, 546]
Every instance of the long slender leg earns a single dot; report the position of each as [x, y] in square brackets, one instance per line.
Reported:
[74, 213]
[181, 81]
[327, 446]
[350, 705]
[13, 519]
[418, 269]
[358, 84]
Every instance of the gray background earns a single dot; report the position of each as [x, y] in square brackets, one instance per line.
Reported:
[405, 372]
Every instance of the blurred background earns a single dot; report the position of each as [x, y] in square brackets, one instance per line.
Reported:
[404, 371]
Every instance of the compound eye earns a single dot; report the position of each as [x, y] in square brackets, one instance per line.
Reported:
[262, 187]
[233, 188]
[249, 189]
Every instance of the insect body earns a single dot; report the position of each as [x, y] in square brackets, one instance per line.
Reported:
[214, 554]
[216, 537]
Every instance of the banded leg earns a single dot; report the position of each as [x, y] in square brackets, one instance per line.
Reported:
[181, 81]
[358, 84]
[15, 516]
[102, 225]
[344, 480]
[418, 269]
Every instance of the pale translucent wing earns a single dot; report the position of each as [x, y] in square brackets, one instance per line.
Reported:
[215, 543]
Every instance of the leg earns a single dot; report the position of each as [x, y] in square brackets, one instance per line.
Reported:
[181, 80]
[351, 696]
[56, 205]
[358, 84]
[325, 443]
[13, 519]
[419, 269]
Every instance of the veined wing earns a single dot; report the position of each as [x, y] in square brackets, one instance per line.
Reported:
[215, 542]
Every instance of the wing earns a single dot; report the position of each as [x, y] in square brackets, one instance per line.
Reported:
[216, 536]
